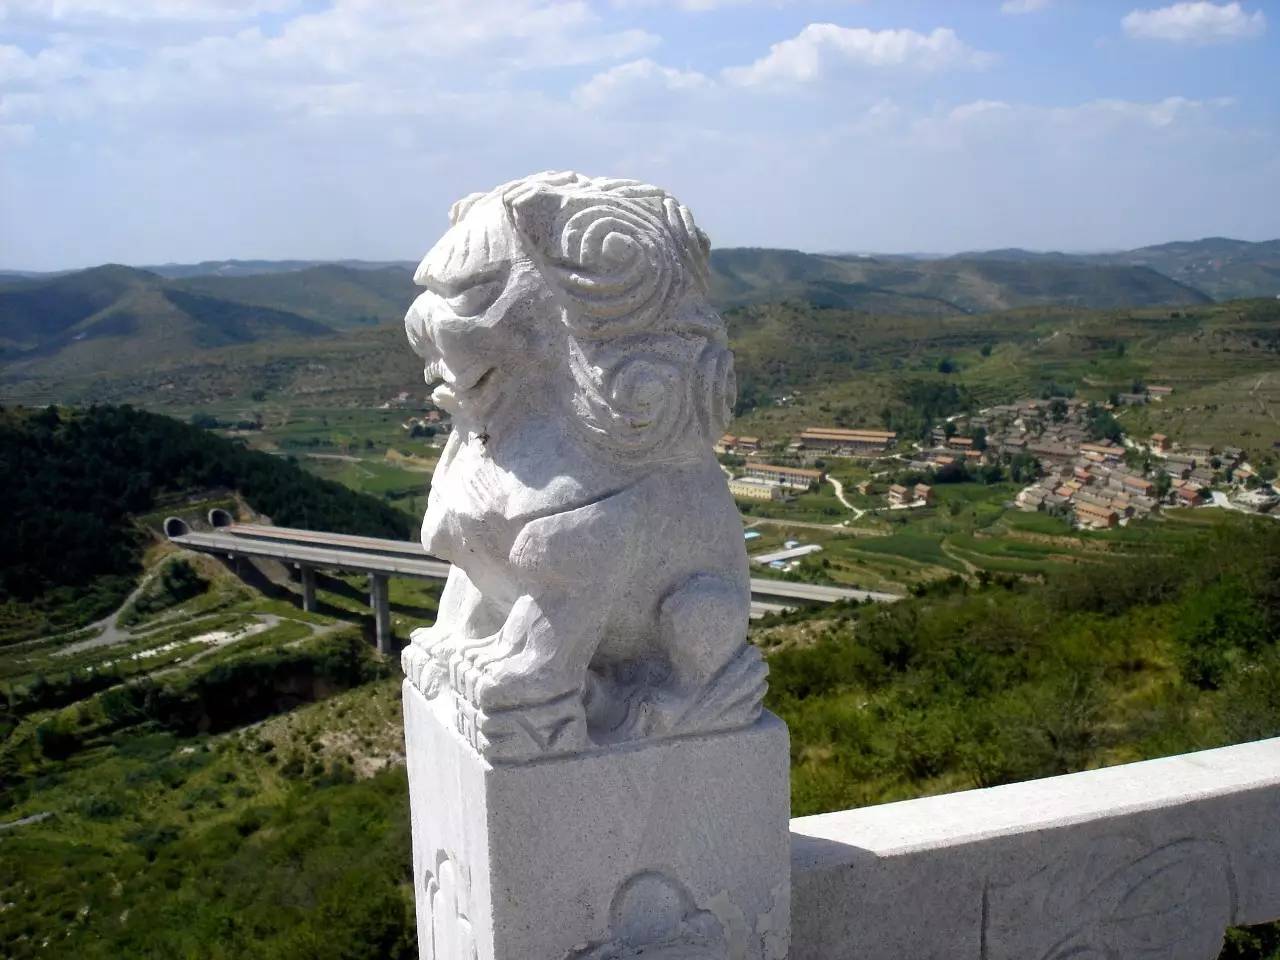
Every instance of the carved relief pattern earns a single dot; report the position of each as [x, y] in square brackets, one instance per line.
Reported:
[446, 891]
[655, 918]
[1117, 900]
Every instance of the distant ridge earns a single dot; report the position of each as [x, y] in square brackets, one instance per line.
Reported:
[116, 319]
[249, 268]
[741, 276]
[1221, 267]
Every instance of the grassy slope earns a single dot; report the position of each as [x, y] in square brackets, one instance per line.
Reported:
[288, 838]
[334, 295]
[935, 287]
[847, 368]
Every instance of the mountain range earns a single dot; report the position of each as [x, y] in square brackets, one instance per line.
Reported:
[118, 321]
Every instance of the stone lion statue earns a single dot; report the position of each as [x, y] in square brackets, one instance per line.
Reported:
[599, 589]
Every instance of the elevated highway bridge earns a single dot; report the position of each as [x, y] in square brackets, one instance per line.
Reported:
[379, 559]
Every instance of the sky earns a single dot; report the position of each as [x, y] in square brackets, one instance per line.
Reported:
[153, 131]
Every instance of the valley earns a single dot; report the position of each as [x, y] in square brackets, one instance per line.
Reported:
[188, 740]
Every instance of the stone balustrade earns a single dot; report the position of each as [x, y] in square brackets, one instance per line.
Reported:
[592, 775]
[1143, 861]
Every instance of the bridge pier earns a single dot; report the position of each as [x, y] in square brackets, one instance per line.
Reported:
[381, 604]
[308, 587]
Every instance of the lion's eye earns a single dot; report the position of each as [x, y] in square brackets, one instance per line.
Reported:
[477, 299]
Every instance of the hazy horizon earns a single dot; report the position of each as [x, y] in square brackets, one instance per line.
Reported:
[151, 131]
[391, 261]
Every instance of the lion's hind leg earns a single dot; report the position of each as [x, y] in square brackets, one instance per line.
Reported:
[718, 679]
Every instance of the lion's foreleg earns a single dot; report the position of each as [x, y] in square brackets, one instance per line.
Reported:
[542, 652]
[464, 614]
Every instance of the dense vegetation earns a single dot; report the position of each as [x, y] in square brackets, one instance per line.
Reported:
[177, 581]
[73, 481]
[182, 843]
[194, 828]
[227, 808]
[981, 685]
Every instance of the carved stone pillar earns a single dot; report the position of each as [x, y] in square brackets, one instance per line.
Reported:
[681, 842]
[591, 774]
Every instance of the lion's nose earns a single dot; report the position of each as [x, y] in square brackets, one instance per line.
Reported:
[417, 327]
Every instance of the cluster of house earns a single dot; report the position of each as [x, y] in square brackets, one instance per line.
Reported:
[1101, 491]
[918, 495]
[772, 481]
[816, 442]
[1051, 431]
[1096, 487]
[431, 423]
[740, 446]
[1145, 395]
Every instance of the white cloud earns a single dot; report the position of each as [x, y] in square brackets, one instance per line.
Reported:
[1093, 116]
[56, 63]
[691, 6]
[1168, 112]
[1198, 23]
[17, 134]
[348, 129]
[355, 58]
[703, 6]
[977, 110]
[1024, 6]
[638, 79]
[82, 11]
[707, 5]
[820, 46]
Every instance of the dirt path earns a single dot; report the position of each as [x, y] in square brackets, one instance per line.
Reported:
[344, 457]
[109, 626]
[839, 488]
[25, 821]
[970, 567]
[266, 621]
[804, 525]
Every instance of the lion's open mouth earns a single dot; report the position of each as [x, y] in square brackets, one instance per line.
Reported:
[453, 390]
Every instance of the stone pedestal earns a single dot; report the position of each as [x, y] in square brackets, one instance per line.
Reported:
[664, 848]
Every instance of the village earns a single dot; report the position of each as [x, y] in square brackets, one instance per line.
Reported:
[1083, 466]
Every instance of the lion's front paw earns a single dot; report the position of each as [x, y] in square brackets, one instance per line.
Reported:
[422, 660]
[433, 641]
[522, 680]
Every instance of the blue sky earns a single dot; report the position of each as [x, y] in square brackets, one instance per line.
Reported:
[145, 131]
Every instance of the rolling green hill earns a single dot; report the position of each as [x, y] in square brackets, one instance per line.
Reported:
[798, 364]
[115, 319]
[251, 268]
[1219, 266]
[330, 334]
[936, 287]
[334, 295]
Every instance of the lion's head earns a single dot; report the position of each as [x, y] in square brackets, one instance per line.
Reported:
[592, 289]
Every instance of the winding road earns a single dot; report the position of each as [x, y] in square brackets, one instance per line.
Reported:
[839, 487]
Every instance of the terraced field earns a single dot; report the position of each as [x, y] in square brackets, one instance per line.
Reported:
[972, 531]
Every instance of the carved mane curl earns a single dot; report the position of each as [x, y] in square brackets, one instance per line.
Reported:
[629, 268]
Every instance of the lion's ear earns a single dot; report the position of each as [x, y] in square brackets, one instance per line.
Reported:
[463, 207]
[535, 210]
